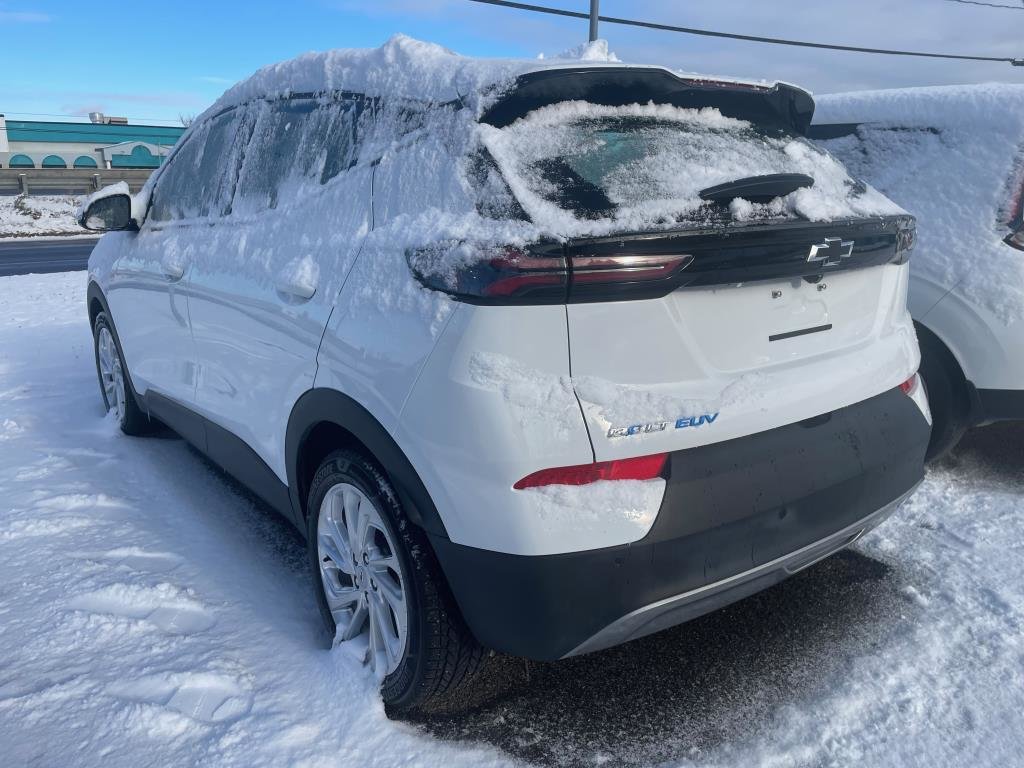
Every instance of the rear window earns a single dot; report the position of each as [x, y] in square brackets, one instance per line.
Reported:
[579, 167]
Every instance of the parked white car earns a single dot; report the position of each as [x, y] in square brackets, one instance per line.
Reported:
[954, 157]
[541, 356]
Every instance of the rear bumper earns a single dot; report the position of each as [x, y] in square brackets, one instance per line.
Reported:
[689, 605]
[737, 517]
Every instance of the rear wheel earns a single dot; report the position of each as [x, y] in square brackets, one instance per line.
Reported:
[380, 589]
[946, 388]
[115, 386]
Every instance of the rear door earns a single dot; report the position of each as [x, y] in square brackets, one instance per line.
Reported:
[264, 288]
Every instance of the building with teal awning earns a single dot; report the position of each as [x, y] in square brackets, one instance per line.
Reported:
[104, 142]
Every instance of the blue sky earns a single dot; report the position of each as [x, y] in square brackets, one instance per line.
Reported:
[157, 60]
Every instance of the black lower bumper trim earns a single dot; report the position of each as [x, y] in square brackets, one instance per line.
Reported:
[730, 508]
[676, 610]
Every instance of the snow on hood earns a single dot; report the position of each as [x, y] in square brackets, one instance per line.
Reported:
[951, 156]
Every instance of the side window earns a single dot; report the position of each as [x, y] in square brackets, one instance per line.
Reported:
[296, 143]
[200, 178]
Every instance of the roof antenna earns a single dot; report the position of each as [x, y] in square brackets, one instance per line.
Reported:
[594, 19]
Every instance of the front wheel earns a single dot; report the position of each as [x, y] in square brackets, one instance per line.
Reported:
[380, 589]
[115, 387]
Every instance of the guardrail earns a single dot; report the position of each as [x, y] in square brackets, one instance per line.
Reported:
[67, 181]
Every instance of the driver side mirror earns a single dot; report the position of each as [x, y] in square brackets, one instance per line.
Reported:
[109, 214]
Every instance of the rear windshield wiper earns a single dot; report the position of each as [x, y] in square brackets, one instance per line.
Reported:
[757, 189]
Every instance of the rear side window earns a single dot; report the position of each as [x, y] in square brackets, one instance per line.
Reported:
[199, 179]
[296, 144]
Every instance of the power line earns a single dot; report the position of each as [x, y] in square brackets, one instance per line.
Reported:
[748, 38]
[988, 5]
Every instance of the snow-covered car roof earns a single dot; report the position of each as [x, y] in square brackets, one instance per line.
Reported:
[404, 67]
[987, 107]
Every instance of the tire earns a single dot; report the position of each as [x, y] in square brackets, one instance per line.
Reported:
[948, 398]
[115, 384]
[437, 654]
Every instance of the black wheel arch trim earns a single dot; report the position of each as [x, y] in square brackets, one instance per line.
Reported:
[322, 405]
[970, 402]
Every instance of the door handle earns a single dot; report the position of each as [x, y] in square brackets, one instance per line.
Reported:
[173, 270]
[297, 280]
[295, 290]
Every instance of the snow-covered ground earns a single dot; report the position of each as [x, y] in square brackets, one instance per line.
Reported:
[31, 215]
[152, 615]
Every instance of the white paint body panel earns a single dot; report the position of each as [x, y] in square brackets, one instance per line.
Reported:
[493, 404]
[989, 349]
[150, 310]
[706, 351]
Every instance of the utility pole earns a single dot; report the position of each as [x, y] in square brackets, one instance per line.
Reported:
[593, 19]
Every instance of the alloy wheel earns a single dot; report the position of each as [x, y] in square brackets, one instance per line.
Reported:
[111, 373]
[362, 578]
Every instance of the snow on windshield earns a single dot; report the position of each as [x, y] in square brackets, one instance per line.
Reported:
[579, 168]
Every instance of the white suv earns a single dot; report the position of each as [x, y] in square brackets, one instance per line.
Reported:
[954, 157]
[540, 356]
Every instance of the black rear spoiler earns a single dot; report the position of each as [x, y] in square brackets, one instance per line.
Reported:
[779, 106]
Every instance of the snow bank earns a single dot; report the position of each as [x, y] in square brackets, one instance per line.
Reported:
[28, 215]
[951, 156]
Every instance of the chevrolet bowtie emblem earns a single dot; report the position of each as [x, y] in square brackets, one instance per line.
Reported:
[831, 252]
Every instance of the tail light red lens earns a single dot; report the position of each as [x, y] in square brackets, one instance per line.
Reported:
[607, 278]
[639, 468]
[542, 274]
[910, 385]
[1016, 239]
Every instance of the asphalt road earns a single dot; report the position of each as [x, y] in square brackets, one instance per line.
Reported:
[44, 255]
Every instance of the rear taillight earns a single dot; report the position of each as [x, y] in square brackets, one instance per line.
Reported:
[639, 468]
[1016, 239]
[613, 278]
[909, 386]
[542, 274]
